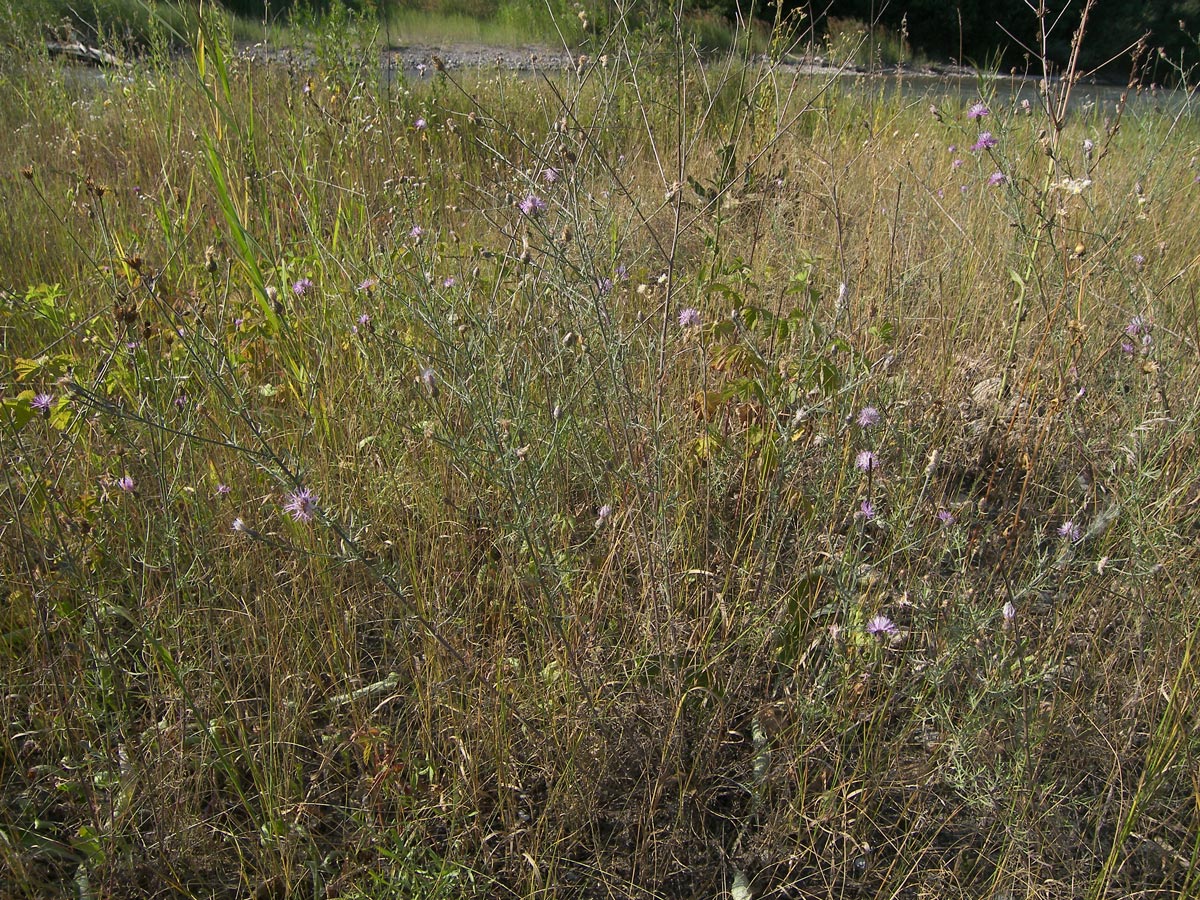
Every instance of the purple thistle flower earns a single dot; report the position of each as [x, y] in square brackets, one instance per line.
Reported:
[605, 285]
[42, 403]
[1070, 531]
[881, 626]
[1127, 347]
[550, 175]
[302, 287]
[985, 142]
[126, 484]
[416, 232]
[689, 317]
[978, 111]
[533, 206]
[420, 124]
[449, 281]
[868, 416]
[223, 490]
[997, 178]
[867, 510]
[364, 320]
[866, 461]
[367, 284]
[301, 505]
[1088, 146]
[1137, 327]
[957, 164]
[1139, 261]
[945, 517]
[1008, 611]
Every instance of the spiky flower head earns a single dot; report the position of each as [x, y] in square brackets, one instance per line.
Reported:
[301, 505]
[867, 461]
[978, 111]
[689, 317]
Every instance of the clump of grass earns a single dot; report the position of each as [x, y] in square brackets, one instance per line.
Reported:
[646, 479]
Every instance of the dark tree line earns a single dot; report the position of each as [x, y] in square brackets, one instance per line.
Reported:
[1009, 33]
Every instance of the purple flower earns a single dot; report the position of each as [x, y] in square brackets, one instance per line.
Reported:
[364, 320]
[302, 287]
[1137, 327]
[868, 416]
[867, 510]
[1088, 146]
[1139, 261]
[881, 626]
[126, 484]
[957, 164]
[997, 178]
[420, 124]
[429, 379]
[945, 517]
[416, 232]
[421, 69]
[1127, 347]
[181, 401]
[533, 206]
[550, 175]
[978, 111]
[449, 281]
[1070, 531]
[1008, 611]
[301, 505]
[985, 142]
[42, 403]
[367, 284]
[605, 285]
[689, 317]
[223, 490]
[866, 461]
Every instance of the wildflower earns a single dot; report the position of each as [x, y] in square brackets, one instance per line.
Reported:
[420, 124]
[449, 281]
[603, 514]
[1139, 261]
[367, 284]
[300, 288]
[301, 505]
[421, 69]
[533, 206]
[945, 517]
[1137, 327]
[42, 403]
[1008, 611]
[956, 164]
[866, 461]
[985, 142]
[1070, 531]
[881, 626]
[416, 232]
[689, 317]
[605, 285]
[868, 416]
[550, 175]
[867, 510]
[978, 111]
[622, 273]
[997, 178]
[429, 379]
[364, 320]
[1127, 347]
[1025, 107]
[1088, 147]
[181, 401]
[126, 484]
[223, 490]
[238, 525]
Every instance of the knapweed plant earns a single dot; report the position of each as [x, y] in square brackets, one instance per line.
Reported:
[663, 477]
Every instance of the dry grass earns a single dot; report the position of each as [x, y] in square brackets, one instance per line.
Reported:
[584, 609]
